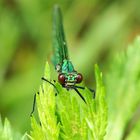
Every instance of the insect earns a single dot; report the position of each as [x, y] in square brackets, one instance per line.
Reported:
[68, 77]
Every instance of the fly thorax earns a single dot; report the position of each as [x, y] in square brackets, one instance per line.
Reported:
[67, 66]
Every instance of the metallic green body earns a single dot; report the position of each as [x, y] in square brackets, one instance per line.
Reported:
[59, 42]
[67, 66]
[61, 60]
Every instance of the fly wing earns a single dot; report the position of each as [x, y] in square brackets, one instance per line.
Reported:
[59, 42]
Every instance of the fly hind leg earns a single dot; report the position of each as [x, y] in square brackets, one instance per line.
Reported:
[34, 102]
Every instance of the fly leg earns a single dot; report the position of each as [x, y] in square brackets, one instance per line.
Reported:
[77, 91]
[44, 79]
[93, 91]
[33, 107]
[34, 101]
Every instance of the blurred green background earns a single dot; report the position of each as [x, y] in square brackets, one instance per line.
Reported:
[96, 31]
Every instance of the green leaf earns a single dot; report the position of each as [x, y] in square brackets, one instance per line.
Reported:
[97, 109]
[71, 114]
[123, 86]
[6, 132]
[48, 128]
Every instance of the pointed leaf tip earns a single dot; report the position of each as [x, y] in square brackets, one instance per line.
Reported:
[47, 71]
[98, 73]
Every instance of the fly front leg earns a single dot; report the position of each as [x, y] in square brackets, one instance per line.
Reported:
[77, 91]
[92, 90]
[44, 79]
[34, 101]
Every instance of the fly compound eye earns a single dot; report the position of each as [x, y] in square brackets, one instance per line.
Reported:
[61, 79]
[79, 78]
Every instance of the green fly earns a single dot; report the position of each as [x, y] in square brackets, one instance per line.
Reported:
[68, 77]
